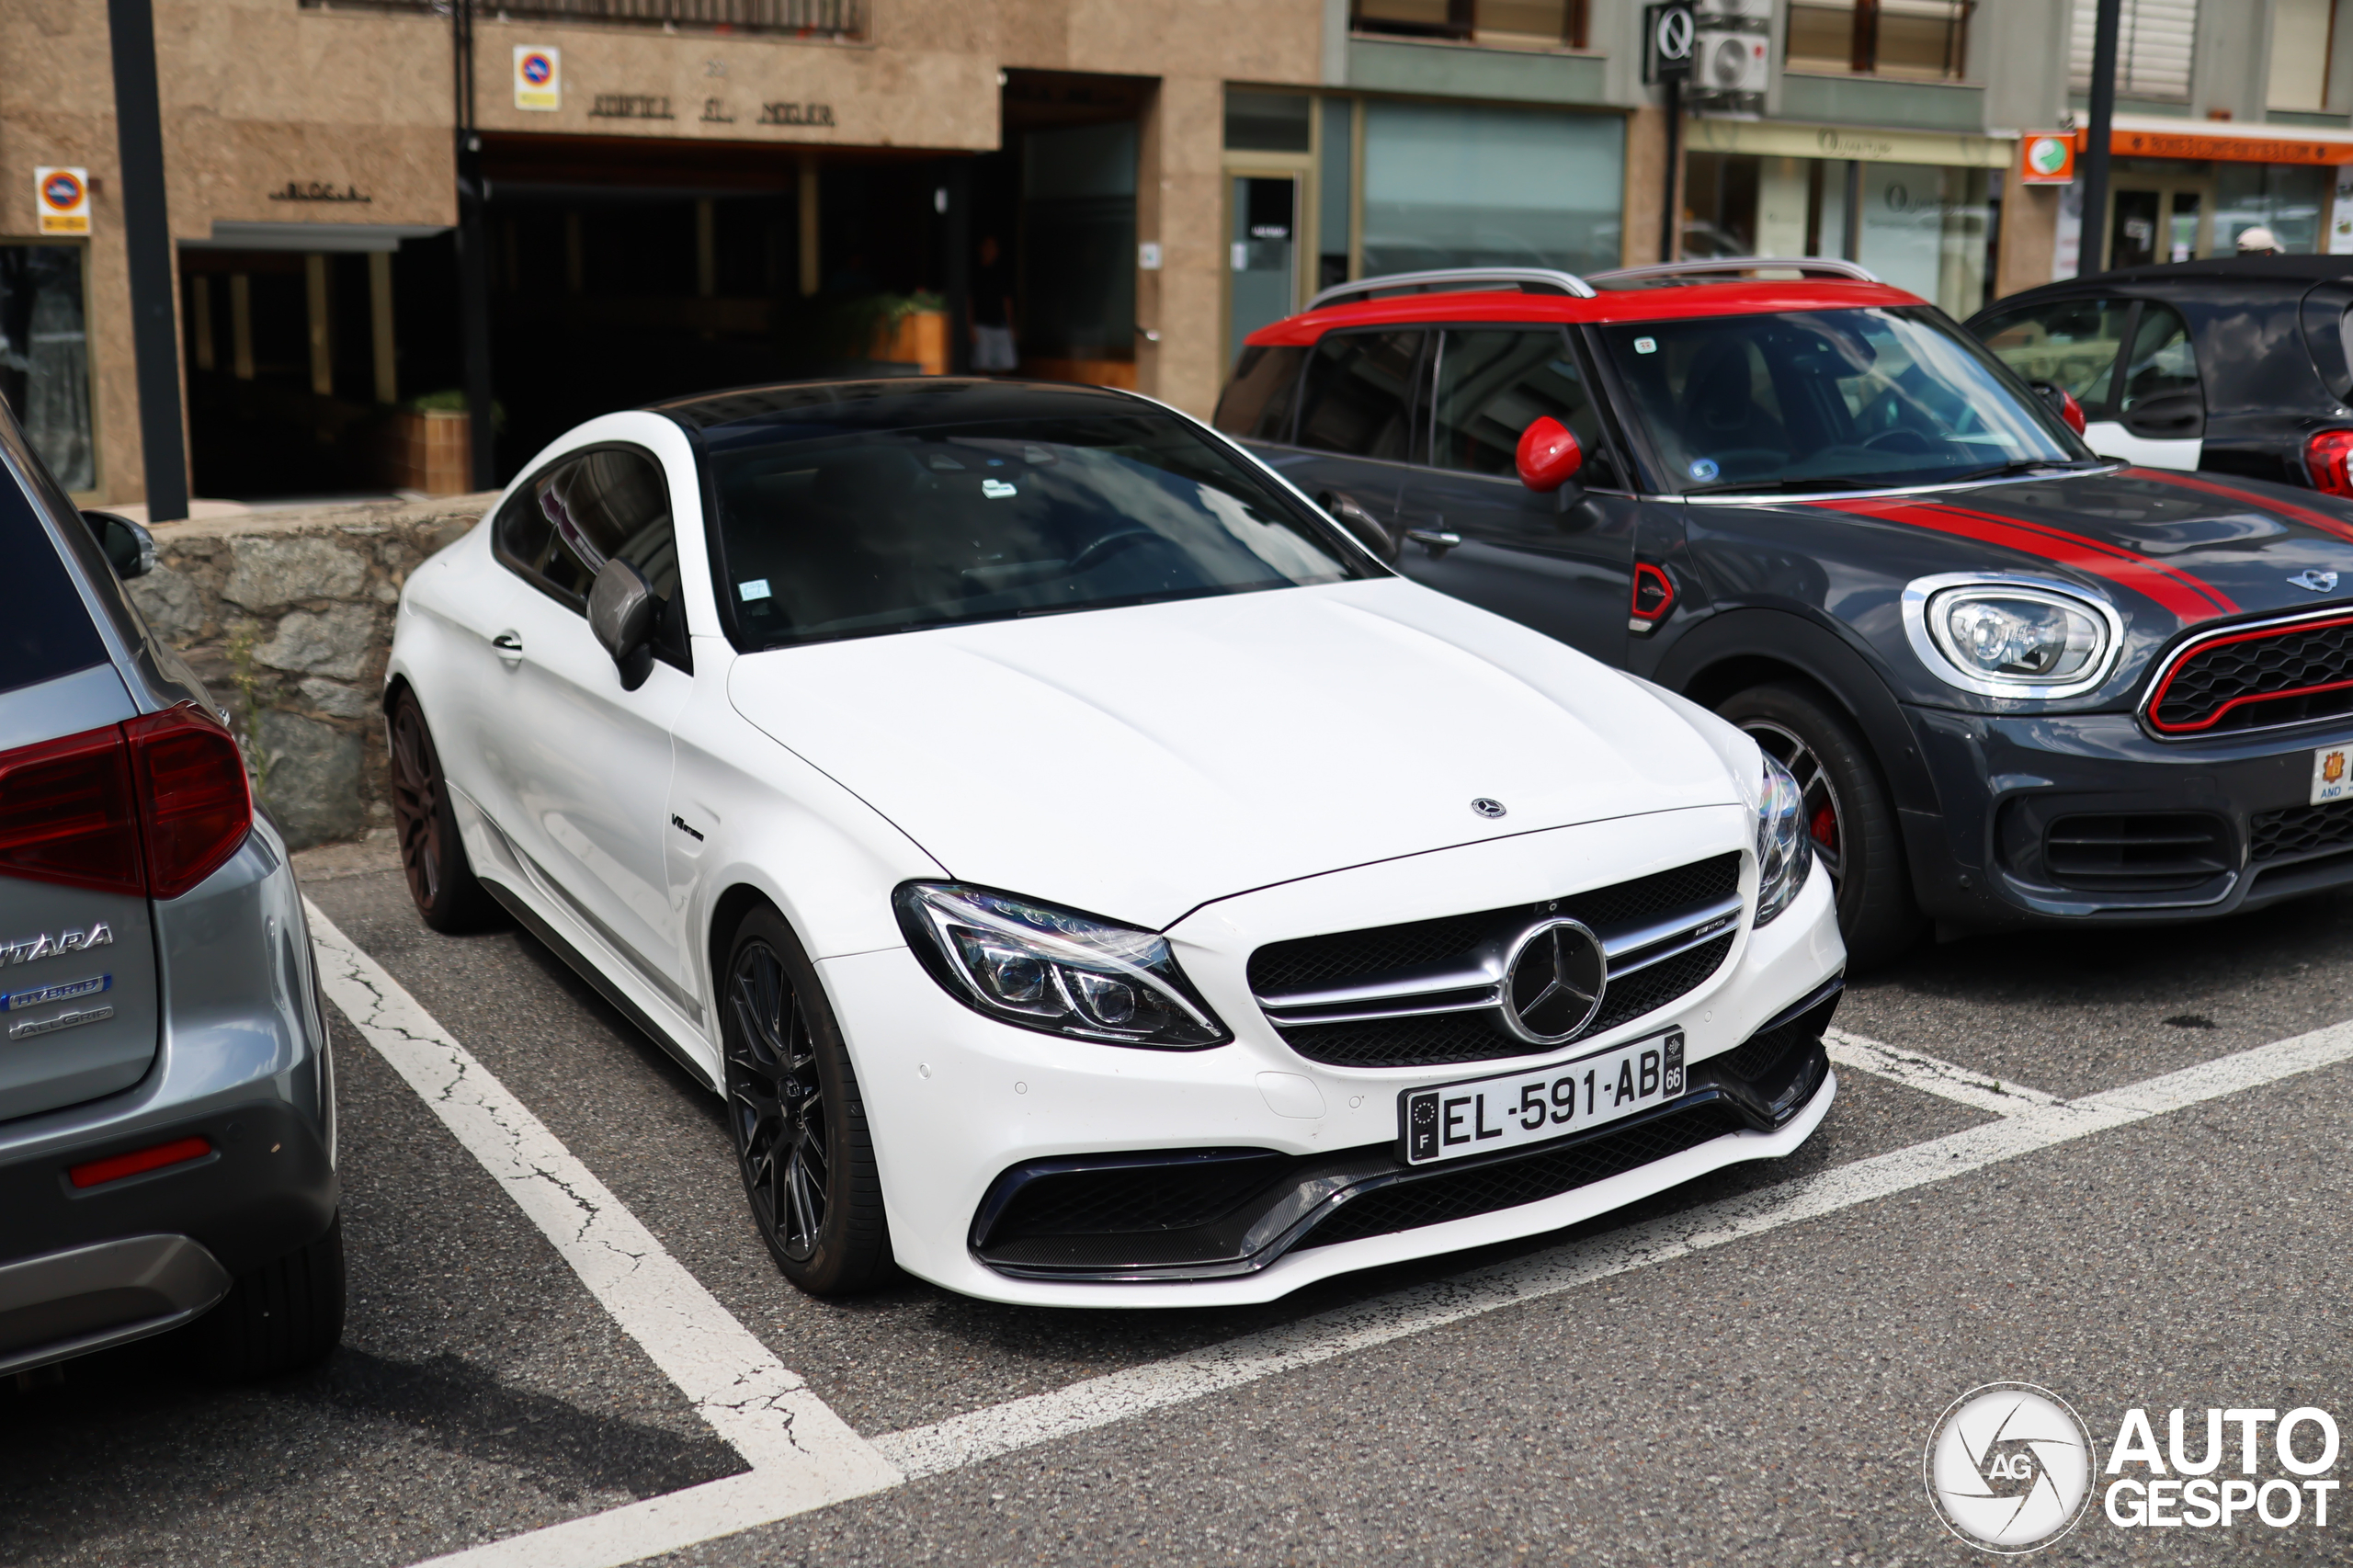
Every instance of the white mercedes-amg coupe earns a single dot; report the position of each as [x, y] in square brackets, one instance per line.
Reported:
[1090, 876]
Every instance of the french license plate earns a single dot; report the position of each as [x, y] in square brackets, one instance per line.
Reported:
[1481, 1116]
[2332, 774]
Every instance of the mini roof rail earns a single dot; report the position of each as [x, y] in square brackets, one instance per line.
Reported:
[1827, 266]
[1458, 277]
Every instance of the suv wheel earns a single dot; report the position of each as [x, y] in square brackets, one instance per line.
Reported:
[440, 879]
[798, 1124]
[281, 1316]
[1856, 837]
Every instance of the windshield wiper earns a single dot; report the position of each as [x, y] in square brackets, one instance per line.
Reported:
[1786, 486]
[2022, 466]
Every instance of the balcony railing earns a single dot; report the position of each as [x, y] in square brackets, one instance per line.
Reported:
[795, 19]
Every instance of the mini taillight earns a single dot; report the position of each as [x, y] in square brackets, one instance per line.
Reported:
[154, 805]
[66, 813]
[194, 804]
[2328, 458]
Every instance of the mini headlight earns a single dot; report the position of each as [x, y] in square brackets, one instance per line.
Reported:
[2008, 639]
[1784, 853]
[1054, 970]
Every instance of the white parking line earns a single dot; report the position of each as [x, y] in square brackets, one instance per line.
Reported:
[1928, 1073]
[804, 1457]
[802, 1454]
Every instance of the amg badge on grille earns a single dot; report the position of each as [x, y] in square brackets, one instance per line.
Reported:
[1487, 808]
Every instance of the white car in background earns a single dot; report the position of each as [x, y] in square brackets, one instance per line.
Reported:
[1089, 876]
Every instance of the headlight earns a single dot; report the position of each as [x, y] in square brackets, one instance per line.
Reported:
[1784, 853]
[2011, 638]
[1054, 970]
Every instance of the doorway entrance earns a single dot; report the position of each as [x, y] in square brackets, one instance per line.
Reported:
[1264, 224]
[2160, 221]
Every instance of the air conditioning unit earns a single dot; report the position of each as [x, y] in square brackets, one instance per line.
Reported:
[1732, 58]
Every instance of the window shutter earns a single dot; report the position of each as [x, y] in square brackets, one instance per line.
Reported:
[2152, 47]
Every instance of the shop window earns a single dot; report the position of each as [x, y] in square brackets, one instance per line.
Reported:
[1918, 40]
[1495, 24]
[2154, 43]
[1926, 227]
[2286, 198]
[1268, 122]
[1454, 185]
[45, 357]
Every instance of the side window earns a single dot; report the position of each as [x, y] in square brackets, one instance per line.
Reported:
[2160, 389]
[1258, 401]
[1358, 397]
[560, 530]
[1495, 382]
[2072, 345]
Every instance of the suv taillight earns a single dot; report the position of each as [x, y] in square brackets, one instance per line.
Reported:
[2328, 458]
[151, 806]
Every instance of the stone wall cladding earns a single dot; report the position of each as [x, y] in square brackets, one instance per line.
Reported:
[287, 617]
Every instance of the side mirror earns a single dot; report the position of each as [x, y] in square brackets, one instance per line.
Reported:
[129, 548]
[1548, 456]
[621, 608]
[2063, 403]
[1362, 526]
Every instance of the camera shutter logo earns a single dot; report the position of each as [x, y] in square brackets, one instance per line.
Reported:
[62, 198]
[2008, 1467]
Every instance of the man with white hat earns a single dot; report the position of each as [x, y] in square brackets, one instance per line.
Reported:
[2258, 241]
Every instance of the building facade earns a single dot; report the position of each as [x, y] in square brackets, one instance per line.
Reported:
[682, 194]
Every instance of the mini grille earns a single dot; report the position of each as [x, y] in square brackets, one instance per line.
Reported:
[1483, 1189]
[1349, 956]
[1442, 1038]
[2288, 674]
[2136, 851]
[2298, 830]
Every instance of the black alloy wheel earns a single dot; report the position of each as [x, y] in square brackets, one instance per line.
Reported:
[800, 1127]
[1849, 817]
[440, 879]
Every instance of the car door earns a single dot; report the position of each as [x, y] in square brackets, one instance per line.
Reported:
[581, 767]
[2159, 417]
[1355, 427]
[1562, 563]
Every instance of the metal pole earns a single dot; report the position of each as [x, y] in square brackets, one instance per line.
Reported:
[147, 237]
[473, 259]
[1669, 229]
[2091, 251]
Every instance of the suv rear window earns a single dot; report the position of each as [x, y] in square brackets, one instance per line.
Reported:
[44, 629]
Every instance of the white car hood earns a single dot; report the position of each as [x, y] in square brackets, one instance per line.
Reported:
[1138, 763]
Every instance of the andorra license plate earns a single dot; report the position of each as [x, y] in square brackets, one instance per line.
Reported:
[1481, 1116]
[2332, 774]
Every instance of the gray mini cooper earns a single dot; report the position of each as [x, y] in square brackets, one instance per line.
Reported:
[166, 1101]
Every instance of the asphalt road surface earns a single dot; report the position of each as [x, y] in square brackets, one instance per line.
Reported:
[1744, 1371]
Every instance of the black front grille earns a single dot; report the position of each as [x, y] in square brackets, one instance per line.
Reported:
[1174, 1191]
[1507, 1183]
[2298, 830]
[2136, 851]
[1349, 956]
[2257, 680]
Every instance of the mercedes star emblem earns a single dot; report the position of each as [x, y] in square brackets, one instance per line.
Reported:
[1486, 808]
[1554, 984]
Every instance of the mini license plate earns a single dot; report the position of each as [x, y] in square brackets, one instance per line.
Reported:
[2332, 774]
[1481, 1116]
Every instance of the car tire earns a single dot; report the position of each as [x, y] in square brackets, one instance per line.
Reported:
[799, 1125]
[280, 1317]
[440, 879]
[1849, 814]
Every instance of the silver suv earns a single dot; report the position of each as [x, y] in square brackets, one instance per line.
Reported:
[166, 1100]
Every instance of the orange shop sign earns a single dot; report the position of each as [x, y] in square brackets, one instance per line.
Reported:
[2046, 158]
[2224, 147]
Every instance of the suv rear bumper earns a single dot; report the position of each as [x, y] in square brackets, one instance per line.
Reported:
[85, 1299]
[2200, 828]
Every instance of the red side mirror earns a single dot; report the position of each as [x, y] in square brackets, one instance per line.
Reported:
[2071, 411]
[1548, 456]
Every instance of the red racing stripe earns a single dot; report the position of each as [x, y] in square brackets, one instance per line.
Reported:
[2180, 593]
[2305, 514]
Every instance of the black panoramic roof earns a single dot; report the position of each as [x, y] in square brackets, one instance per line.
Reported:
[798, 410]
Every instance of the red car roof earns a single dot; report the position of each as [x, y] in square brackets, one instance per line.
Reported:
[1670, 303]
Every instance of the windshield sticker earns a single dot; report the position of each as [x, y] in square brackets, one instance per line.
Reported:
[997, 489]
[1704, 469]
[757, 588]
[1646, 346]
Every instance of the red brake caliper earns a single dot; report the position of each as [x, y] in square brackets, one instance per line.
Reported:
[1826, 829]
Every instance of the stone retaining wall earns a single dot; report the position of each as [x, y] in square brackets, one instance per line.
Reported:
[287, 617]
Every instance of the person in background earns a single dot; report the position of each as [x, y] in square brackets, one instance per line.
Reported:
[992, 346]
[2258, 241]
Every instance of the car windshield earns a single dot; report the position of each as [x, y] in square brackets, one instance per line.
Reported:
[1829, 400]
[851, 535]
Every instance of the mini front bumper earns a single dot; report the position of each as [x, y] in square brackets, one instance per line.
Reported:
[954, 1100]
[2083, 819]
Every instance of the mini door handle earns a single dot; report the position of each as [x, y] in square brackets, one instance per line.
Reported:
[1437, 541]
[509, 646]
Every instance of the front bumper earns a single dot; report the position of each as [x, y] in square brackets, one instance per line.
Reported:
[2083, 818]
[955, 1100]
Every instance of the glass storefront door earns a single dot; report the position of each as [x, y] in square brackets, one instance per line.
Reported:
[1264, 236]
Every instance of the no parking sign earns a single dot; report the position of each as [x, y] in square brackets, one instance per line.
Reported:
[61, 196]
[538, 77]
